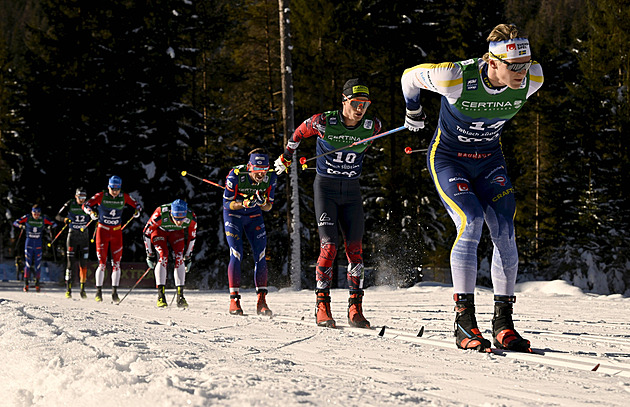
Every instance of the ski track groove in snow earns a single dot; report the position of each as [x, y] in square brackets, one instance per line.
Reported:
[58, 352]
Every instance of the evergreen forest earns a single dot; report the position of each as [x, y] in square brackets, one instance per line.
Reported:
[148, 89]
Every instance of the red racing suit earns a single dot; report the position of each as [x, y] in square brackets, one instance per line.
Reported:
[109, 230]
[160, 232]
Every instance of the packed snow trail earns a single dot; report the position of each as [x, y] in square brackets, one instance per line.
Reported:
[56, 351]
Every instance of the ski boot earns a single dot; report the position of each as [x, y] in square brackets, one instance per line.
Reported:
[505, 336]
[355, 310]
[235, 304]
[99, 294]
[467, 334]
[82, 292]
[68, 289]
[261, 304]
[37, 286]
[181, 301]
[323, 314]
[161, 301]
[25, 287]
[115, 297]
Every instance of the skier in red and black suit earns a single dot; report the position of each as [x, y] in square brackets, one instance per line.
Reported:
[338, 199]
[175, 225]
[107, 207]
[34, 224]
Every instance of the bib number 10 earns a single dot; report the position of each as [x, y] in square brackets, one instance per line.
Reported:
[350, 158]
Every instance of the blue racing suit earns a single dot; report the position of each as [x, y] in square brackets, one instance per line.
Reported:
[246, 222]
[33, 246]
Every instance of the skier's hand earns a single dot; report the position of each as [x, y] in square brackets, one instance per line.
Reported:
[187, 263]
[281, 164]
[93, 215]
[67, 220]
[414, 120]
[151, 260]
[249, 201]
[261, 198]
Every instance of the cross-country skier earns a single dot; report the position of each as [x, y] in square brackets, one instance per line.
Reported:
[468, 168]
[338, 199]
[78, 240]
[33, 224]
[175, 225]
[246, 195]
[107, 207]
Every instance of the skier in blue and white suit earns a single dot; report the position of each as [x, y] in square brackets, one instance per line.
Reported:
[468, 168]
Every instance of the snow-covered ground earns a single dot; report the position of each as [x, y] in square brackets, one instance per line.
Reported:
[71, 352]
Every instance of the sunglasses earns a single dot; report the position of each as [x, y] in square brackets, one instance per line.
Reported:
[515, 66]
[258, 169]
[357, 103]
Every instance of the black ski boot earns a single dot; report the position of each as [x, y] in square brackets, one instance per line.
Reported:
[82, 292]
[505, 336]
[467, 334]
[115, 297]
[99, 294]
[68, 289]
[181, 301]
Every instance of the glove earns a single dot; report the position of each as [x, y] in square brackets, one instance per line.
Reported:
[136, 214]
[66, 220]
[187, 263]
[151, 260]
[281, 164]
[93, 215]
[414, 120]
[249, 201]
[261, 198]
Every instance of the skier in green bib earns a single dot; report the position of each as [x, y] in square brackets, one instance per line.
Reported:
[469, 171]
[338, 201]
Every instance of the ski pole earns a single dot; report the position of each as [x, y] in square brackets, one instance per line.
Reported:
[304, 160]
[56, 236]
[134, 286]
[17, 243]
[237, 171]
[94, 234]
[125, 225]
[86, 226]
[184, 173]
[408, 150]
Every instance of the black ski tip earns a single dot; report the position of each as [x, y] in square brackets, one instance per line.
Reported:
[421, 332]
[382, 332]
[302, 318]
[594, 369]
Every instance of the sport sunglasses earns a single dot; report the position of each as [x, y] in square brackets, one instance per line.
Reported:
[515, 66]
[357, 103]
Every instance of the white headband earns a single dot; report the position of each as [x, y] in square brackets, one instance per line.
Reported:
[509, 49]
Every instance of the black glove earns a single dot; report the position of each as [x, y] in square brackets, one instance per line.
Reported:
[414, 120]
[151, 260]
[187, 263]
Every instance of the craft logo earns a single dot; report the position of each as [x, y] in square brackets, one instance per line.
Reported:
[368, 124]
[471, 84]
[462, 187]
[332, 120]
